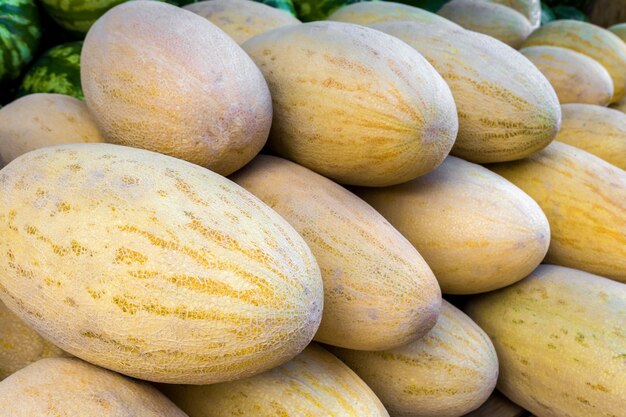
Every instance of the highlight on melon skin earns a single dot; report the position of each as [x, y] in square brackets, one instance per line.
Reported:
[366, 109]
[164, 79]
[314, 383]
[71, 387]
[151, 266]
[448, 373]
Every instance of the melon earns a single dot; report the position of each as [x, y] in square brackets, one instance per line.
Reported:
[576, 78]
[367, 109]
[619, 30]
[519, 111]
[20, 345]
[379, 293]
[584, 199]
[477, 231]
[314, 383]
[164, 79]
[375, 12]
[242, 19]
[597, 130]
[38, 120]
[591, 40]
[449, 372]
[492, 19]
[151, 266]
[559, 335]
[72, 388]
[531, 9]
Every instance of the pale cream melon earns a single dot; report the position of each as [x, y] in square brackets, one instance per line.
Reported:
[151, 266]
[379, 293]
[576, 78]
[619, 30]
[354, 104]
[507, 109]
[162, 78]
[559, 335]
[314, 383]
[38, 120]
[531, 9]
[241, 19]
[584, 199]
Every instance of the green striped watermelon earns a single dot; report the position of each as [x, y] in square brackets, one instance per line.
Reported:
[310, 10]
[56, 71]
[77, 16]
[20, 32]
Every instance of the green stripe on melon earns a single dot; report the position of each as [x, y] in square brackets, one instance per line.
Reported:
[56, 71]
[20, 33]
[77, 16]
[310, 10]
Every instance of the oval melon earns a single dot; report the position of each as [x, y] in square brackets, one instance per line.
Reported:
[153, 267]
[20, 345]
[72, 388]
[378, 291]
[477, 231]
[38, 120]
[314, 383]
[584, 198]
[165, 79]
[619, 30]
[597, 130]
[366, 13]
[576, 78]
[507, 109]
[531, 9]
[366, 109]
[492, 19]
[242, 19]
[559, 335]
[449, 372]
[590, 40]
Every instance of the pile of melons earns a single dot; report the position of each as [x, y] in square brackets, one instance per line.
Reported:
[253, 216]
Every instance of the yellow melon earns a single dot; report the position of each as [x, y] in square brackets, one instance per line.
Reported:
[72, 388]
[38, 120]
[576, 78]
[152, 266]
[365, 13]
[449, 372]
[591, 40]
[477, 231]
[242, 19]
[584, 198]
[378, 291]
[559, 335]
[314, 383]
[366, 109]
[492, 19]
[507, 109]
[597, 130]
[162, 78]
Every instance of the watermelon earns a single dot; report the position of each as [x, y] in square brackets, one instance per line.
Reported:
[56, 71]
[285, 5]
[20, 32]
[310, 10]
[77, 16]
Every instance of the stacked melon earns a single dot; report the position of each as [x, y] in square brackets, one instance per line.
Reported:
[253, 216]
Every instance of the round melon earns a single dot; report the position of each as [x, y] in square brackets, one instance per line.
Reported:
[151, 266]
[619, 30]
[507, 109]
[367, 13]
[576, 78]
[20, 33]
[72, 388]
[449, 372]
[584, 199]
[164, 79]
[77, 16]
[379, 293]
[591, 40]
[559, 335]
[597, 130]
[20, 345]
[242, 19]
[39, 120]
[366, 109]
[492, 19]
[314, 383]
[477, 231]
[531, 9]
